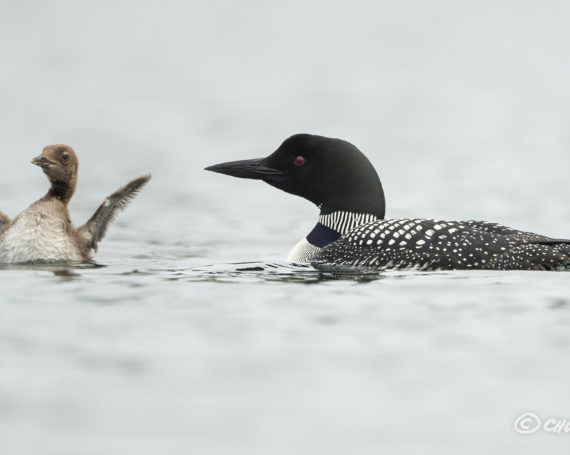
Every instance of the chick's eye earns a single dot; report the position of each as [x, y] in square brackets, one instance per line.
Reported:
[64, 155]
[300, 160]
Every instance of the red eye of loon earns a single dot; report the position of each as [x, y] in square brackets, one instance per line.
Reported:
[300, 160]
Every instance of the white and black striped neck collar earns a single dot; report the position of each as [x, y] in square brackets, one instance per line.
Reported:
[334, 225]
[329, 228]
[343, 222]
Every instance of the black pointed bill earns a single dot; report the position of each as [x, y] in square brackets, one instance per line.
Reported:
[247, 169]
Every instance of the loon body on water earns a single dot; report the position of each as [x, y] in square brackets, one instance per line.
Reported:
[44, 232]
[351, 229]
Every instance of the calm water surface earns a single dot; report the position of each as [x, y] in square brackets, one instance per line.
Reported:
[192, 335]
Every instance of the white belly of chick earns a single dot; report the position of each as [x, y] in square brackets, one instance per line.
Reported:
[38, 236]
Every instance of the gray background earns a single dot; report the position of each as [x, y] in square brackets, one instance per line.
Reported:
[463, 107]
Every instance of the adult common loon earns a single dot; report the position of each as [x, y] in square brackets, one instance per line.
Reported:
[352, 231]
[44, 232]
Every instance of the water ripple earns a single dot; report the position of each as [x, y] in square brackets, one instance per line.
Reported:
[270, 272]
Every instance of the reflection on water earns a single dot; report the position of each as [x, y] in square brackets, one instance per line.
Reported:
[65, 271]
[285, 273]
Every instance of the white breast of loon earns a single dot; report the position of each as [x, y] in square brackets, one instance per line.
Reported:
[38, 234]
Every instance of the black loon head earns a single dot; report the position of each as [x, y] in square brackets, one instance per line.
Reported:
[331, 173]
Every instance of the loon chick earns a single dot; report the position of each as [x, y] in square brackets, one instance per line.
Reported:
[351, 228]
[44, 232]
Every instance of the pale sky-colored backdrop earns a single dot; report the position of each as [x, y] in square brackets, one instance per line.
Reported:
[174, 346]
